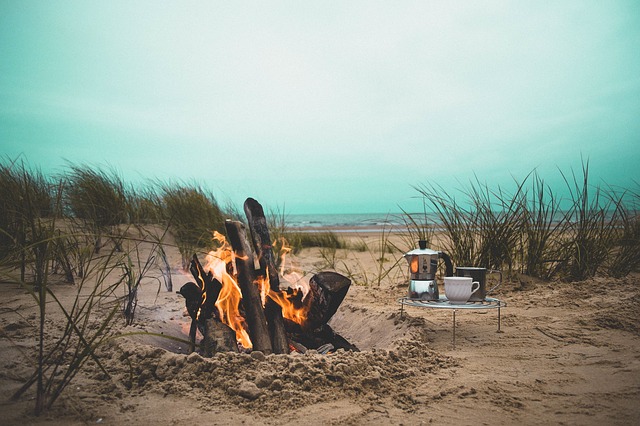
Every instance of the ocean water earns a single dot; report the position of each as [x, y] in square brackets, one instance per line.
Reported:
[340, 220]
[363, 222]
[351, 221]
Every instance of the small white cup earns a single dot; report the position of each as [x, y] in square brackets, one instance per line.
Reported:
[459, 289]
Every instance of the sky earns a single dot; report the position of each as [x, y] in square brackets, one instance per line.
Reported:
[324, 107]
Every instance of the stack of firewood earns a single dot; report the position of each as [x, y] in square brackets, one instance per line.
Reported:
[268, 330]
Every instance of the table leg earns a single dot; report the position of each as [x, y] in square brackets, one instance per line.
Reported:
[454, 329]
[499, 319]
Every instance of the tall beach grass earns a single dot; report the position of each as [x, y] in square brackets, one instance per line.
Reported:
[536, 231]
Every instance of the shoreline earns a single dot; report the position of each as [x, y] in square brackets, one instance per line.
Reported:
[345, 229]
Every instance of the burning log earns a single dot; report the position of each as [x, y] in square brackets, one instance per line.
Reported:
[193, 298]
[262, 247]
[254, 314]
[218, 337]
[320, 337]
[234, 304]
[209, 287]
[200, 298]
[327, 290]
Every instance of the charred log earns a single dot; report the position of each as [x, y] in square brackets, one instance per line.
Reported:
[327, 291]
[193, 298]
[321, 336]
[254, 314]
[210, 286]
[262, 247]
[218, 337]
[297, 347]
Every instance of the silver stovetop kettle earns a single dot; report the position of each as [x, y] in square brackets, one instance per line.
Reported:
[423, 266]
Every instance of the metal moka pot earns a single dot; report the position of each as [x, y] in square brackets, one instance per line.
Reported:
[423, 266]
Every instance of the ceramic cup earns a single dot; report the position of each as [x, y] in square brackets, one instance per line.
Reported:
[459, 289]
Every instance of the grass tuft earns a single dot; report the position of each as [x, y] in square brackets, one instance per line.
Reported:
[193, 214]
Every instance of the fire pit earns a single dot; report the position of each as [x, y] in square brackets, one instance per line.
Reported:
[237, 302]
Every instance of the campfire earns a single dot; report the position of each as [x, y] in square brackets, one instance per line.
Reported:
[237, 301]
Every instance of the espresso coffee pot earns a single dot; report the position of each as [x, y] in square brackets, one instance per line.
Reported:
[423, 266]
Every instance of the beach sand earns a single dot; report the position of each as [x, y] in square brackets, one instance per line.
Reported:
[566, 354]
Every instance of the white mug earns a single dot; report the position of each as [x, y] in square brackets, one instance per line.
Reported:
[459, 289]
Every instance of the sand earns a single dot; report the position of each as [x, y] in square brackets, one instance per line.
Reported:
[566, 354]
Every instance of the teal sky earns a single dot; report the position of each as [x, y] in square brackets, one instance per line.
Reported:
[324, 106]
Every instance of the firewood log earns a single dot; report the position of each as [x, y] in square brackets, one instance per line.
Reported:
[208, 284]
[327, 290]
[193, 298]
[262, 247]
[254, 314]
[218, 337]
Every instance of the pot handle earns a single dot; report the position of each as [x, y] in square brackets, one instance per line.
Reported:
[448, 265]
[492, 271]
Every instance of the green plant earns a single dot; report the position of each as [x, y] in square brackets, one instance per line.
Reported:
[544, 224]
[625, 257]
[58, 356]
[458, 224]
[380, 259]
[193, 214]
[327, 239]
[61, 355]
[361, 274]
[136, 266]
[416, 228]
[27, 203]
[499, 218]
[62, 255]
[144, 206]
[63, 351]
[528, 229]
[98, 199]
[42, 240]
[330, 257]
[590, 231]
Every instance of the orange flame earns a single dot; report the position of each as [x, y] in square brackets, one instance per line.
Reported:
[294, 307]
[294, 303]
[220, 262]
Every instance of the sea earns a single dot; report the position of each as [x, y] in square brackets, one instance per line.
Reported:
[360, 222]
[374, 222]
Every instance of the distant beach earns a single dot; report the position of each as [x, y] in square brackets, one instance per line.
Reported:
[351, 222]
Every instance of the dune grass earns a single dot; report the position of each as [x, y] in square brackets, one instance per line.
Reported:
[590, 228]
[41, 238]
[144, 205]
[626, 251]
[533, 230]
[97, 199]
[192, 214]
[33, 216]
[544, 223]
[27, 203]
[416, 227]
